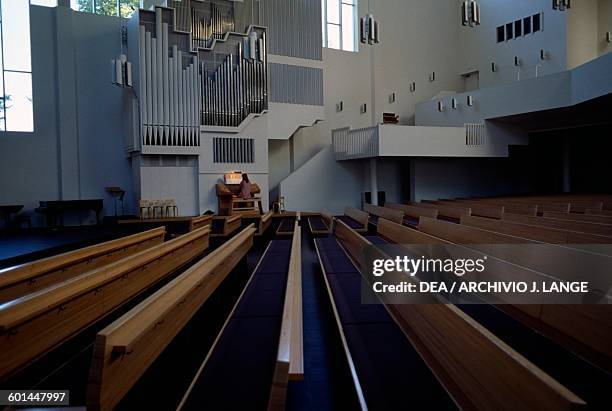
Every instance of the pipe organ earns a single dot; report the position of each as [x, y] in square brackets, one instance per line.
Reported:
[209, 75]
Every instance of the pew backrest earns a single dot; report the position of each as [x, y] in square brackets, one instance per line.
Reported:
[127, 347]
[66, 308]
[483, 210]
[30, 277]
[360, 216]
[589, 218]
[593, 228]
[414, 211]
[290, 355]
[396, 216]
[455, 212]
[200, 221]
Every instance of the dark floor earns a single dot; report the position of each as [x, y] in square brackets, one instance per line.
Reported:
[327, 384]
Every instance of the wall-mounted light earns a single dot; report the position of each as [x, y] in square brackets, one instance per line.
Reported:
[432, 76]
[454, 104]
[363, 108]
[561, 5]
[369, 31]
[517, 61]
[412, 87]
[339, 106]
[470, 101]
[608, 37]
[543, 55]
[470, 13]
[392, 98]
[494, 67]
[440, 106]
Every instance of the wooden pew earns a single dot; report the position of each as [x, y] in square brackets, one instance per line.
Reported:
[515, 208]
[225, 226]
[589, 211]
[589, 218]
[30, 277]
[200, 221]
[290, 356]
[359, 217]
[478, 209]
[326, 219]
[34, 324]
[262, 222]
[478, 369]
[413, 211]
[586, 330]
[396, 216]
[537, 233]
[126, 348]
[452, 212]
[287, 225]
[593, 228]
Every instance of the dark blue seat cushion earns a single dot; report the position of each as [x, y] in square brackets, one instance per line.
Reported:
[317, 224]
[376, 240]
[350, 222]
[388, 365]
[239, 372]
[411, 221]
[286, 225]
[346, 288]
[265, 296]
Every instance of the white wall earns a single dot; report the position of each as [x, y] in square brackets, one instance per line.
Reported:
[604, 24]
[582, 33]
[479, 45]
[76, 148]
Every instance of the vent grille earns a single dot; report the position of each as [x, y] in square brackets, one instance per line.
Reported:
[474, 135]
[233, 150]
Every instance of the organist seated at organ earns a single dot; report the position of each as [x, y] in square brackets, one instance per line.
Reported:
[232, 194]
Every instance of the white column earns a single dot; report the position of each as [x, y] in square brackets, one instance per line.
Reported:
[373, 181]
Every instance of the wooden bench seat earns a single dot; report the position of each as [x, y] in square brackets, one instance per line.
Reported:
[453, 213]
[262, 222]
[537, 233]
[201, 221]
[593, 341]
[263, 325]
[30, 277]
[287, 225]
[589, 218]
[290, 355]
[356, 219]
[413, 213]
[478, 209]
[478, 369]
[126, 348]
[322, 224]
[225, 226]
[383, 212]
[593, 228]
[34, 324]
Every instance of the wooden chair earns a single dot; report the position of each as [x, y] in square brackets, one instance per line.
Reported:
[169, 205]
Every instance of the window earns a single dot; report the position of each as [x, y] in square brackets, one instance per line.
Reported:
[121, 8]
[518, 28]
[339, 24]
[527, 25]
[501, 35]
[16, 113]
[509, 31]
[537, 22]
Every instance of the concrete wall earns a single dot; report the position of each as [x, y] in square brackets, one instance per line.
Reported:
[479, 45]
[76, 148]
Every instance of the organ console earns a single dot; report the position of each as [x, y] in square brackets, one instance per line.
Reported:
[228, 196]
